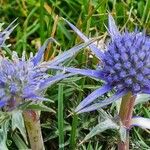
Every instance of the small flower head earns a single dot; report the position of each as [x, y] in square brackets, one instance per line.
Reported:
[125, 66]
[19, 80]
[4, 35]
[24, 79]
[127, 62]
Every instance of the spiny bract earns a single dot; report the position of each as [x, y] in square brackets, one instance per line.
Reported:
[125, 66]
[24, 79]
[5, 34]
[19, 80]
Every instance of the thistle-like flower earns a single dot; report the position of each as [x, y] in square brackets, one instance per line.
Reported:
[125, 66]
[4, 35]
[24, 79]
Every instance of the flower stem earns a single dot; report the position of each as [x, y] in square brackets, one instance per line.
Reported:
[32, 123]
[125, 114]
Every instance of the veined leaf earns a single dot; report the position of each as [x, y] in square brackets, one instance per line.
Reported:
[19, 142]
[3, 135]
[18, 123]
[102, 126]
[40, 107]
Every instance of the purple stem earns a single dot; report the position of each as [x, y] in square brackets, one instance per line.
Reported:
[126, 111]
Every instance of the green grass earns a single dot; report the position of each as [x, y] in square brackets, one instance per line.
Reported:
[36, 23]
[60, 117]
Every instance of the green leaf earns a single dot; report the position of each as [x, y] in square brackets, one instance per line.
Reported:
[18, 123]
[3, 135]
[72, 79]
[4, 116]
[40, 107]
[24, 105]
[19, 142]
[102, 126]
[141, 8]
[3, 140]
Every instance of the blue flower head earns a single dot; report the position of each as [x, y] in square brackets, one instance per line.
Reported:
[125, 66]
[24, 79]
[5, 34]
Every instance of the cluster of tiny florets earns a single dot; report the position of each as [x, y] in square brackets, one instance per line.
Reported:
[19, 79]
[127, 62]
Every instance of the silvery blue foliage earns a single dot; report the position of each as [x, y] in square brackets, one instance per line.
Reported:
[125, 66]
[24, 79]
[141, 122]
[6, 32]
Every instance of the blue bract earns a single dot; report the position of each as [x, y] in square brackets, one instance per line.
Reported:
[24, 79]
[5, 34]
[125, 66]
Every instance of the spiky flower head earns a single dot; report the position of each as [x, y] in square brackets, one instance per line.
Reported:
[4, 35]
[126, 63]
[125, 66]
[24, 79]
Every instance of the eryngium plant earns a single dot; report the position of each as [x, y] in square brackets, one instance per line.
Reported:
[125, 68]
[26, 79]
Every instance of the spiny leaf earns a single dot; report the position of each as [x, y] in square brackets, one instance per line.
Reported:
[40, 107]
[18, 123]
[102, 126]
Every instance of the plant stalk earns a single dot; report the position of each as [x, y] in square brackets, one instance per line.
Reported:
[33, 127]
[126, 111]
